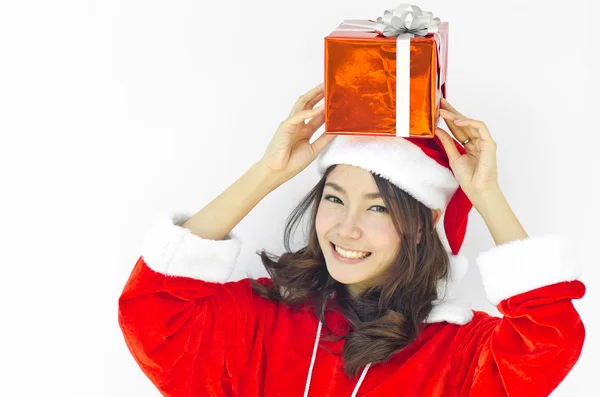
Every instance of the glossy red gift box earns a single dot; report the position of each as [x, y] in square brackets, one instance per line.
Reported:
[370, 89]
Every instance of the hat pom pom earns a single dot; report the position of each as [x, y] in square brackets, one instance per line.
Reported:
[458, 267]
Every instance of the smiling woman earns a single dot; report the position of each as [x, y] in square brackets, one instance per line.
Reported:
[367, 214]
[334, 322]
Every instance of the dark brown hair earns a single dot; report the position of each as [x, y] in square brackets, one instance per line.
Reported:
[384, 318]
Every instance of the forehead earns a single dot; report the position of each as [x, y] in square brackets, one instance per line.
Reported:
[352, 178]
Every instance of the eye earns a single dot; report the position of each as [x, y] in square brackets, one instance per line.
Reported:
[379, 206]
[327, 197]
[330, 196]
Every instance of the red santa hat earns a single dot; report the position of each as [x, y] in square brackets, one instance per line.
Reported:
[420, 167]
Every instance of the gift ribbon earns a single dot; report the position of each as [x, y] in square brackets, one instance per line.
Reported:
[405, 21]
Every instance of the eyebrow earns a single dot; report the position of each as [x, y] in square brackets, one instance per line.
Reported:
[369, 196]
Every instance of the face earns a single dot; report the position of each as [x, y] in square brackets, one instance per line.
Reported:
[352, 216]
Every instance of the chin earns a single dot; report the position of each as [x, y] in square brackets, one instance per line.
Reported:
[343, 275]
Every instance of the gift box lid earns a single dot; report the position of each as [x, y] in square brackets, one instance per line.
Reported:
[357, 29]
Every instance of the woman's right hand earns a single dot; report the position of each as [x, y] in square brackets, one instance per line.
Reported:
[289, 151]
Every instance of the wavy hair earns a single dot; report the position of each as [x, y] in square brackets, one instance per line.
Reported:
[383, 318]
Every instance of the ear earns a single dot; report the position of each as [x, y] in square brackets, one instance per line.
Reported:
[436, 214]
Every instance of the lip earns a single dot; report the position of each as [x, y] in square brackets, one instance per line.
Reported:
[341, 258]
[346, 249]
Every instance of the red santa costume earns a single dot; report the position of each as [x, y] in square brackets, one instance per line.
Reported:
[195, 333]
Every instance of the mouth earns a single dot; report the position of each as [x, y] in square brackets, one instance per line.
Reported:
[340, 258]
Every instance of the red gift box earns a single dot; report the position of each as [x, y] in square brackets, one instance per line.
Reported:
[386, 77]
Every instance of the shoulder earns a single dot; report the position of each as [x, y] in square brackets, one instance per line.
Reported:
[479, 322]
[481, 326]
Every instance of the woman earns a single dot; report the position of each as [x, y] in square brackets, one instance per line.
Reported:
[365, 307]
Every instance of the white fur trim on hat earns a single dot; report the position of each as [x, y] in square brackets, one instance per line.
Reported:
[397, 160]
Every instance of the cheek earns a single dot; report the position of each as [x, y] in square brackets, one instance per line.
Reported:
[324, 221]
[384, 237]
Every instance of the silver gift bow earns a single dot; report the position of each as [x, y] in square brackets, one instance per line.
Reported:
[405, 20]
[408, 20]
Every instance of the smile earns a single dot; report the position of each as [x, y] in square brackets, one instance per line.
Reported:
[348, 256]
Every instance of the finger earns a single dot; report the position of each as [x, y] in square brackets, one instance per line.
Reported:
[310, 104]
[446, 105]
[302, 115]
[479, 126]
[321, 142]
[457, 130]
[314, 123]
[449, 145]
[301, 103]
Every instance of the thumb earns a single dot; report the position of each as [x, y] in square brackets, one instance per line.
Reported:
[449, 145]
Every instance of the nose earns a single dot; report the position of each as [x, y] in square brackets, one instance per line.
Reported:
[348, 226]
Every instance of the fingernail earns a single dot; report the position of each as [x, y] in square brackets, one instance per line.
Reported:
[458, 121]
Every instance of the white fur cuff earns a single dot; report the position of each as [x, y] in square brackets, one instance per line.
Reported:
[524, 265]
[171, 249]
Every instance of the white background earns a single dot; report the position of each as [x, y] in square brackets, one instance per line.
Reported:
[113, 110]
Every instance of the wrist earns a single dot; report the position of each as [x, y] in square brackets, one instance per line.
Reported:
[267, 176]
[493, 193]
[490, 202]
[499, 217]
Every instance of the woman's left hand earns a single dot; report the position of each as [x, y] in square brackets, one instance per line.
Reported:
[476, 171]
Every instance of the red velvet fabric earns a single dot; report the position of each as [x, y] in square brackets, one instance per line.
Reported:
[196, 338]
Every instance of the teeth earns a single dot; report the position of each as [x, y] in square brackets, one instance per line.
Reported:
[351, 254]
